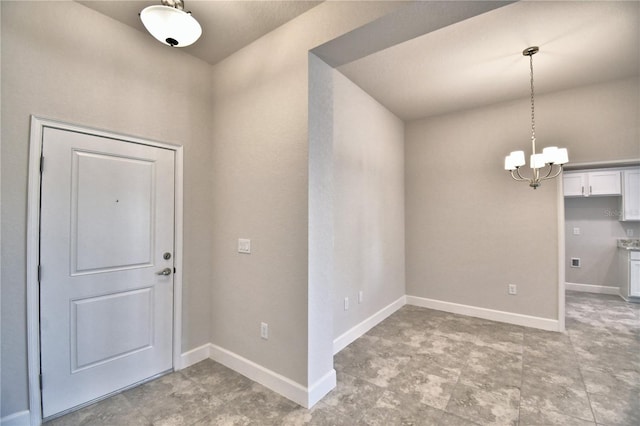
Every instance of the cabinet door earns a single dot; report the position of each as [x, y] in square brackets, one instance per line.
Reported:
[574, 184]
[631, 195]
[634, 278]
[604, 183]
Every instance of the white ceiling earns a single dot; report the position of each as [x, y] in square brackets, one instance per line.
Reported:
[479, 61]
[227, 26]
[475, 62]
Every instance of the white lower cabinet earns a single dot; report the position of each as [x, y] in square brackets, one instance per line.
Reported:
[634, 278]
[630, 264]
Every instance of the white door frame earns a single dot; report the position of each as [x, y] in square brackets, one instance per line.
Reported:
[561, 254]
[38, 124]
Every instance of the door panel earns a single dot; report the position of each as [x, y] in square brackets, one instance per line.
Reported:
[107, 217]
[130, 325]
[112, 202]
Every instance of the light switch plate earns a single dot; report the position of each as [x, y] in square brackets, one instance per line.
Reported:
[244, 245]
[576, 231]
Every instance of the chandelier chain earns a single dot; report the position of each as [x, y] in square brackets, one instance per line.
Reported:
[533, 119]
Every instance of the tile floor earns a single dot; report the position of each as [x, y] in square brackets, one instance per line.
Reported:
[425, 367]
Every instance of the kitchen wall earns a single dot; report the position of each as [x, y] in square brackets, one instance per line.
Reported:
[61, 60]
[596, 246]
[368, 187]
[470, 229]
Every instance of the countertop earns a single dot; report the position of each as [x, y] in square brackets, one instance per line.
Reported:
[632, 244]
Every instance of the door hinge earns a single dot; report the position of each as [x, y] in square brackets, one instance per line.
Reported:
[39, 273]
[174, 270]
[41, 163]
[40, 378]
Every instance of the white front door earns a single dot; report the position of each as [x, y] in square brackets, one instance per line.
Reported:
[107, 235]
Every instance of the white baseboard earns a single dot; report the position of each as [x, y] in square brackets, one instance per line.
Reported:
[355, 332]
[484, 313]
[286, 387]
[591, 288]
[194, 356]
[21, 418]
[319, 389]
[306, 397]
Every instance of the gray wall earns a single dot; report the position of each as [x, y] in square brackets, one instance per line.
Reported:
[470, 229]
[596, 246]
[368, 188]
[260, 170]
[64, 61]
[243, 124]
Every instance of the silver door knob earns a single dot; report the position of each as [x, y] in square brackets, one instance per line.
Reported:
[165, 271]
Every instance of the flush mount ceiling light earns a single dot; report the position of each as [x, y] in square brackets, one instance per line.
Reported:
[551, 157]
[170, 24]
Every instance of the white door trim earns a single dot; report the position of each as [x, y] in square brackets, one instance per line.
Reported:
[561, 254]
[33, 248]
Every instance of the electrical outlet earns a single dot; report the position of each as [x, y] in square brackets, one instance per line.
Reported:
[244, 245]
[264, 330]
[346, 303]
[576, 231]
[513, 289]
[360, 296]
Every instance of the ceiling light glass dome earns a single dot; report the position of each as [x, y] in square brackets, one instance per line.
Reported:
[170, 24]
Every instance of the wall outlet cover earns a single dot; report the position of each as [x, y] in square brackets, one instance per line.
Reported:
[244, 245]
[264, 330]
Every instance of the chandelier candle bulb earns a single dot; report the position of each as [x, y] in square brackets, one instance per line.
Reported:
[537, 161]
[509, 163]
[562, 156]
[518, 158]
[550, 154]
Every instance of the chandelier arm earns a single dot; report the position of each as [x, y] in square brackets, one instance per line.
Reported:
[549, 172]
[519, 176]
[556, 174]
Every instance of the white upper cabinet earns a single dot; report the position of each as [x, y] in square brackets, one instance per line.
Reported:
[574, 184]
[589, 184]
[631, 195]
[605, 183]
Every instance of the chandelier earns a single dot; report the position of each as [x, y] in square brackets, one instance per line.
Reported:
[170, 24]
[544, 165]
